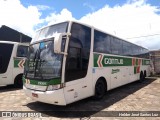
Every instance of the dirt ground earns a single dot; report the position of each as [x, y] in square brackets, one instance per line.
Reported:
[141, 99]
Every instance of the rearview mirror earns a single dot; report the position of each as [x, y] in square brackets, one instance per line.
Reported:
[57, 42]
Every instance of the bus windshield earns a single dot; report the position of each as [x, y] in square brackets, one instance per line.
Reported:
[49, 31]
[42, 62]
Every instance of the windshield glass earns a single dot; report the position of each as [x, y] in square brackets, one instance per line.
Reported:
[49, 31]
[42, 62]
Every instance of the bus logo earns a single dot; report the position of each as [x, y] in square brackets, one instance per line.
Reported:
[104, 60]
[21, 63]
[99, 61]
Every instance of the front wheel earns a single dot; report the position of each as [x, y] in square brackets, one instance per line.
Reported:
[100, 89]
[18, 82]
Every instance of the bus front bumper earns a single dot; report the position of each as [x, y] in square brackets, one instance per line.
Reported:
[52, 97]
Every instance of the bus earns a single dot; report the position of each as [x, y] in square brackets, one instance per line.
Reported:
[12, 59]
[70, 61]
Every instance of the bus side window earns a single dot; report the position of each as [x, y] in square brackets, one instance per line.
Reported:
[22, 51]
[101, 42]
[116, 46]
[127, 49]
[5, 56]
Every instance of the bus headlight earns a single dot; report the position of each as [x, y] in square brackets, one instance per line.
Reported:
[53, 87]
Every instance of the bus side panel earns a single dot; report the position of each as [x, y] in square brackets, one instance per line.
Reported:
[119, 76]
[79, 89]
[19, 60]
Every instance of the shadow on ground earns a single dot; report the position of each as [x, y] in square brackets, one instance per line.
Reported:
[8, 88]
[89, 107]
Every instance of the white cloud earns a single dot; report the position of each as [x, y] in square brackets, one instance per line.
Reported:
[135, 18]
[59, 17]
[16, 16]
[132, 19]
[43, 7]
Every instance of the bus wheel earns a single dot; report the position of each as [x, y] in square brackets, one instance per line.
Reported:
[100, 89]
[18, 81]
[141, 78]
[145, 74]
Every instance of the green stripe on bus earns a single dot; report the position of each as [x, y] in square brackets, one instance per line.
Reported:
[16, 61]
[54, 81]
[145, 62]
[107, 61]
[19, 62]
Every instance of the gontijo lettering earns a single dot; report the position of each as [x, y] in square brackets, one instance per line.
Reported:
[113, 61]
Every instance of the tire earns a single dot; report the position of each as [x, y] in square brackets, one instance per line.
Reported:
[141, 77]
[145, 74]
[18, 83]
[100, 89]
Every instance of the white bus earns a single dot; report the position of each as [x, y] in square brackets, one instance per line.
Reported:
[12, 61]
[71, 61]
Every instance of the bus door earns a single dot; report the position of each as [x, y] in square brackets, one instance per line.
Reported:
[78, 83]
[77, 75]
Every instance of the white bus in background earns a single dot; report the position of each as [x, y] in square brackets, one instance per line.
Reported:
[12, 60]
[71, 61]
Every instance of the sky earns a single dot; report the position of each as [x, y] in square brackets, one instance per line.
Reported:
[137, 21]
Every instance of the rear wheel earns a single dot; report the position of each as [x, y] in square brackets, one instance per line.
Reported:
[18, 82]
[145, 74]
[141, 77]
[100, 89]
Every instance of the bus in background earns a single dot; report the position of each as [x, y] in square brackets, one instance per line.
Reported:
[70, 61]
[12, 60]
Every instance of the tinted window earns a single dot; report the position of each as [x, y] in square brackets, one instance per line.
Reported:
[127, 49]
[116, 46]
[22, 51]
[101, 42]
[136, 50]
[5, 54]
[105, 43]
[140, 52]
[78, 52]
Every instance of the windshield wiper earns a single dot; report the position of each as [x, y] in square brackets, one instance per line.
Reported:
[38, 64]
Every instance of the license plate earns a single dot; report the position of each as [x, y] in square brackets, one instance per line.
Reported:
[35, 95]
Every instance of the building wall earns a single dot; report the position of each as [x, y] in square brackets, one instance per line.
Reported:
[155, 56]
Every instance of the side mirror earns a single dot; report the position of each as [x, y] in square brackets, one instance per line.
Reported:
[57, 42]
